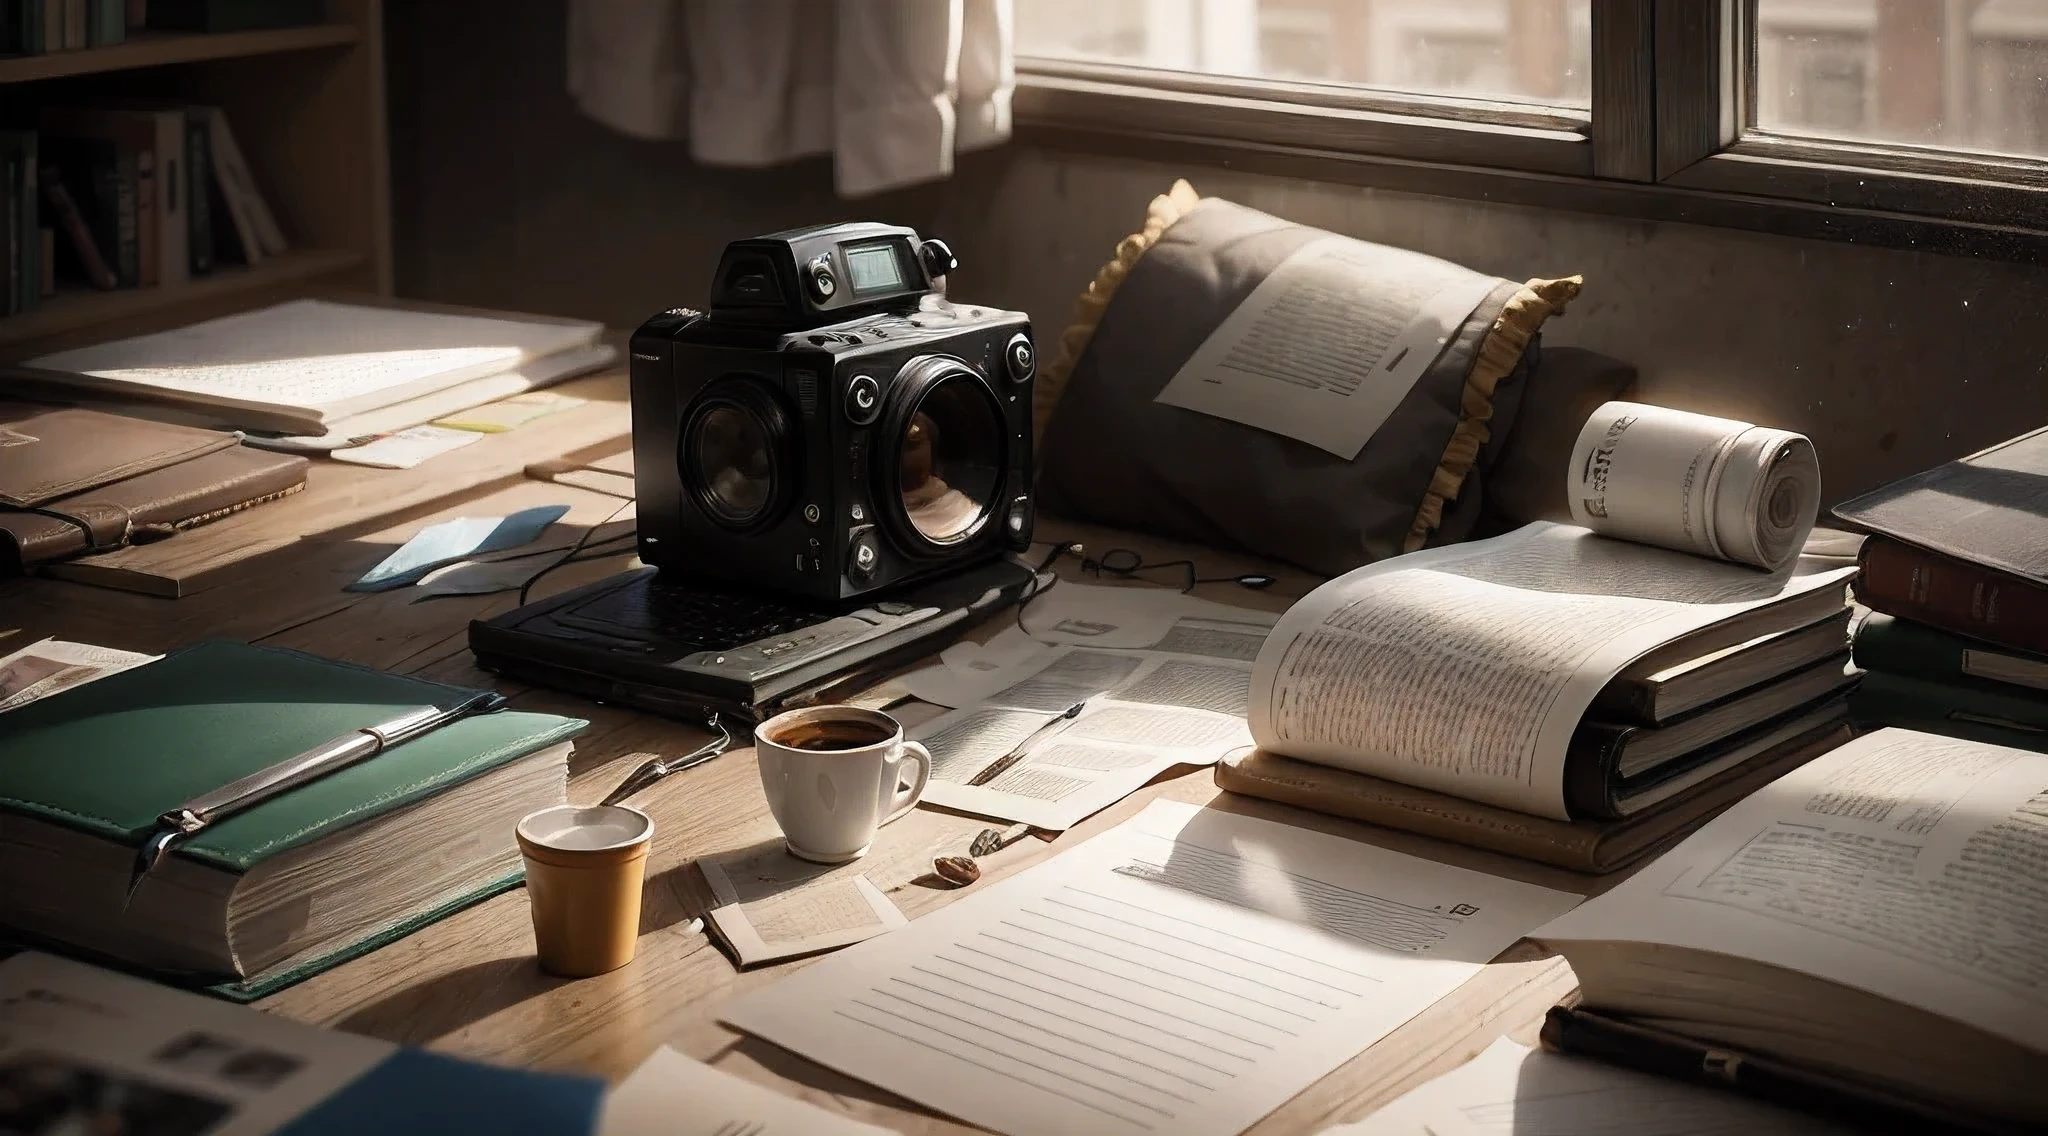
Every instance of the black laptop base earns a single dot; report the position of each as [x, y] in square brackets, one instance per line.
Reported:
[670, 646]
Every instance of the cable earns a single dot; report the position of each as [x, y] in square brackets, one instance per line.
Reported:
[573, 550]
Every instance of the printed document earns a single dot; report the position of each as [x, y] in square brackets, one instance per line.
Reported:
[773, 906]
[1512, 1090]
[1018, 755]
[1905, 864]
[42, 669]
[1329, 343]
[1186, 972]
[1466, 669]
[671, 1095]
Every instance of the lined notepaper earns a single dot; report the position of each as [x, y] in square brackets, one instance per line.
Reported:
[1186, 972]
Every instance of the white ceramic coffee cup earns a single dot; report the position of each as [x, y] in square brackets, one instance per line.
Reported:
[829, 802]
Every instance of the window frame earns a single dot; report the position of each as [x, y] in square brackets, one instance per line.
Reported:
[1669, 136]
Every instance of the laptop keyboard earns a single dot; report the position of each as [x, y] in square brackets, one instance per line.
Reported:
[694, 618]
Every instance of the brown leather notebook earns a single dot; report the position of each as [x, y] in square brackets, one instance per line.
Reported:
[75, 481]
[1593, 846]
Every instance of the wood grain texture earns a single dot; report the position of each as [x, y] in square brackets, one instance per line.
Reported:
[469, 984]
[1624, 91]
[1695, 96]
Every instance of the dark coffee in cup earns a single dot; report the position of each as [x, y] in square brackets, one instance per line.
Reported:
[826, 735]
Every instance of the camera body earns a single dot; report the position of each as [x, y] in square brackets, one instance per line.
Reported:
[832, 426]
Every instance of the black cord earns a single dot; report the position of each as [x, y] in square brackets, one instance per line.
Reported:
[1125, 564]
[573, 550]
[1042, 583]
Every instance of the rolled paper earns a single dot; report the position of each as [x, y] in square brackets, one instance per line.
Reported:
[1709, 486]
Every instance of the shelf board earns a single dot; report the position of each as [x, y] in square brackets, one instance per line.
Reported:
[158, 49]
[73, 309]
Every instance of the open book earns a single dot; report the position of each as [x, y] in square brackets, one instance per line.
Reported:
[1470, 669]
[1879, 916]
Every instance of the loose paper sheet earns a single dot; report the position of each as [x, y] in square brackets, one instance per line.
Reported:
[42, 669]
[1186, 972]
[510, 413]
[449, 541]
[407, 448]
[1145, 713]
[322, 356]
[671, 1095]
[773, 906]
[1902, 863]
[178, 1063]
[1092, 616]
[1512, 1090]
[1329, 343]
[1466, 669]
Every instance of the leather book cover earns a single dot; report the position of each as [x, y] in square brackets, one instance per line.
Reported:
[109, 757]
[1959, 596]
[74, 481]
[1984, 509]
[1592, 846]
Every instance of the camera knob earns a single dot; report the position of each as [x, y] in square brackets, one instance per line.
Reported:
[1019, 357]
[824, 285]
[864, 556]
[863, 399]
[938, 258]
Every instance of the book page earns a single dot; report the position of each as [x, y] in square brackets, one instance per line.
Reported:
[1512, 1090]
[1188, 972]
[321, 357]
[1466, 669]
[1709, 486]
[44, 668]
[1329, 343]
[1905, 864]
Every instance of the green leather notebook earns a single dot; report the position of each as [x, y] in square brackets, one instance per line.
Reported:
[410, 834]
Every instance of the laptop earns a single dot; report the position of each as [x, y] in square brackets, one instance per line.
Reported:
[670, 646]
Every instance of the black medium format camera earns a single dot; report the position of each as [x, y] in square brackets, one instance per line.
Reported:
[832, 426]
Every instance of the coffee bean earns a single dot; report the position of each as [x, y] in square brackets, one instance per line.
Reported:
[957, 870]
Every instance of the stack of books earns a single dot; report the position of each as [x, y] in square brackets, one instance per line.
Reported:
[38, 27]
[1955, 572]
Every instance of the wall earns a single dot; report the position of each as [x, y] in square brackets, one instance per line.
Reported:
[1892, 360]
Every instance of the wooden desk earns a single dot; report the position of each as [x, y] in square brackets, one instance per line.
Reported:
[468, 984]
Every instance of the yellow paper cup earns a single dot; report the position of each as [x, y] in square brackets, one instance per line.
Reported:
[584, 870]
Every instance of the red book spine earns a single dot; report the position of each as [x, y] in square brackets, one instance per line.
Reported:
[1954, 595]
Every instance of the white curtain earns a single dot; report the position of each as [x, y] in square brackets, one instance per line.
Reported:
[892, 89]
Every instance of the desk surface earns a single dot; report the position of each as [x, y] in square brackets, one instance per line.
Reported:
[468, 984]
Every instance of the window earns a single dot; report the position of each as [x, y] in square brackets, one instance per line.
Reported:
[1516, 50]
[1921, 122]
[1964, 76]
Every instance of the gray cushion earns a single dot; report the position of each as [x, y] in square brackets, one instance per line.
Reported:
[1110, 454]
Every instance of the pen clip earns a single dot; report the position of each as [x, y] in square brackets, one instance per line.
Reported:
[329, 757]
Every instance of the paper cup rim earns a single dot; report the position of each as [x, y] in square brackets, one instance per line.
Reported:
[531, 840]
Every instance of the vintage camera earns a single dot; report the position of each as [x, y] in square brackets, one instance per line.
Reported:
[832, 425]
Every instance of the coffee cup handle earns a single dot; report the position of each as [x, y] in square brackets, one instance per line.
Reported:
[906, 797]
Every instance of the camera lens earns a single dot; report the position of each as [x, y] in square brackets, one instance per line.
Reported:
[734, 454]
[949, 460]
[733, 460]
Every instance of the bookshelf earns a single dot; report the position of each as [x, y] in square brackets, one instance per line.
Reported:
[306, 105]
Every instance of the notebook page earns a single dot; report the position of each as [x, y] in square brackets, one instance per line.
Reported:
[1466, 669]
[319, 356]
[1186, 972]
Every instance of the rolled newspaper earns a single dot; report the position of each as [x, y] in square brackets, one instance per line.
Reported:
[1709, 486]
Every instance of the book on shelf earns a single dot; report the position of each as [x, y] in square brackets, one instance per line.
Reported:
[79, 244]
[1917, 650]
[21, 163]
[1871, 927]
[294, 884]
[1530, 671]
[299, 367]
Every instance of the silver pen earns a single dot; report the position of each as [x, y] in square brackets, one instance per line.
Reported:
[329, 757]
[1016, 752]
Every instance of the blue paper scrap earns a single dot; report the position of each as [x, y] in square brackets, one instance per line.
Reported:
[450, 541]
[414, 1091]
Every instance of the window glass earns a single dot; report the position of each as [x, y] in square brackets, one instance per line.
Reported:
[1520, 50]
[1962, 74]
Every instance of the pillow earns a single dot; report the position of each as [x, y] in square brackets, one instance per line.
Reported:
[1111, 454]
[1565, 385]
